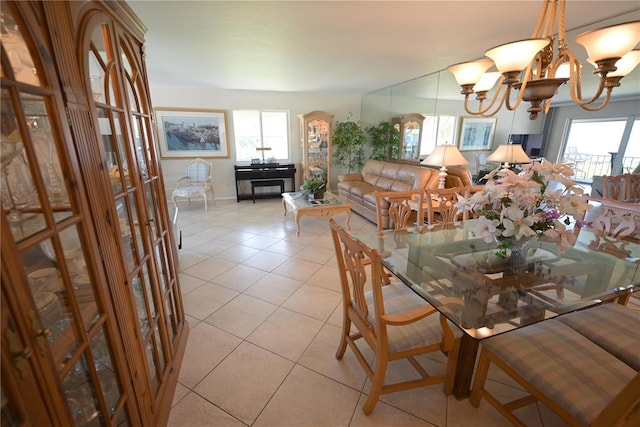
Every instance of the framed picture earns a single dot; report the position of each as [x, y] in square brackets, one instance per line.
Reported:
[192, 133]
[476, 133]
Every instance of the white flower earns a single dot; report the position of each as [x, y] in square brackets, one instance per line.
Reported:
[516, 224]
[464, 204]
[486, 228]
[560, 236]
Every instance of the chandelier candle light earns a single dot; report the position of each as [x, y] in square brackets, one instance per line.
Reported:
[530, 66]
[443, 156]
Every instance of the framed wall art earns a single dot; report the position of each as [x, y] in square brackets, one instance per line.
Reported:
[192, 133]
[476, 133]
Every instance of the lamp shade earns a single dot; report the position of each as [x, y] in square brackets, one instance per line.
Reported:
[468, 73]
[626, 64]
[486, 82]
[610, 42]
[509, 153]
[516, 56]
[445, 155]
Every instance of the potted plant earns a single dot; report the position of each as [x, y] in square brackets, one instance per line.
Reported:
[348, 140]
[313, 187]
[384, 140]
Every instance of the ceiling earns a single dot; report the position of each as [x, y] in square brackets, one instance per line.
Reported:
[349, 47]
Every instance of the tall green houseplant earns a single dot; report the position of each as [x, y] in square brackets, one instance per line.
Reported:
[384, 140]
[348, 142]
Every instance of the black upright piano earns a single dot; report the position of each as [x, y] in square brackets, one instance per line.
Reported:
[264, 171]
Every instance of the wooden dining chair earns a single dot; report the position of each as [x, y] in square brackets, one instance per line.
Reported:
[615, 225]
[613, 187]
[610, 218]
[584, 384]
[393, 320]
[442, 205]
[402, 208]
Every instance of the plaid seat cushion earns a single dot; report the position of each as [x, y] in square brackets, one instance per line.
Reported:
[614, 327]
[398, 298]
[568, 368]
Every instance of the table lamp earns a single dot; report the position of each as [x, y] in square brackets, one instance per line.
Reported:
[443, 156]
[509, 153]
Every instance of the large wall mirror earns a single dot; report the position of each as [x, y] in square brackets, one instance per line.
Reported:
[437, 97]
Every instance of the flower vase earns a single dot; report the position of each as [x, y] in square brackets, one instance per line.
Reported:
[516, 264]
[518, 254]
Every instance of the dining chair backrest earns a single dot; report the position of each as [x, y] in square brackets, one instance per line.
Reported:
[632, 186]
[615, 219]
[198, 171]
[357, 263]
[613, 187]
[443, 202]
[402, 208]
[198, 181]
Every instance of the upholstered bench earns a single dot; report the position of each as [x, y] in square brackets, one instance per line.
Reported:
[266, 183]
[579, 380]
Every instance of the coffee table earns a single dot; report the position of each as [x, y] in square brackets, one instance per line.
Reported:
[327, 207]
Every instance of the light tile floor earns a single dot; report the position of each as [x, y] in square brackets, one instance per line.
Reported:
[264, 310]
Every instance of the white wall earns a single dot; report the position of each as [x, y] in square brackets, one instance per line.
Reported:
[215, 99]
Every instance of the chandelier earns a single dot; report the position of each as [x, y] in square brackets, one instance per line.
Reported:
[530, 67]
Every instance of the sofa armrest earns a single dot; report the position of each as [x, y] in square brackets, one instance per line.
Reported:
[350, 177]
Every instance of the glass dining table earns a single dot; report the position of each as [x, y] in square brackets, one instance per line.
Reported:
[484, 294]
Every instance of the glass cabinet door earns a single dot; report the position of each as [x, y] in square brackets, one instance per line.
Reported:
[114, 73]
[57, 287]
[410, 128]
[315, 132]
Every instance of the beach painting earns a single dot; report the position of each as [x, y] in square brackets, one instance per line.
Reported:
[192, 133]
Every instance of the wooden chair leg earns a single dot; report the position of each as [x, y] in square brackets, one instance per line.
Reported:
[376, 385]
[342, 347]
[452, 361]
[481, 377]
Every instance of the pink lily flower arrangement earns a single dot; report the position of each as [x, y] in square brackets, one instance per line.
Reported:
[540, 201]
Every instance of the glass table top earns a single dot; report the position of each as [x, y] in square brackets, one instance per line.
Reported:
[462, 276]
[301, 201]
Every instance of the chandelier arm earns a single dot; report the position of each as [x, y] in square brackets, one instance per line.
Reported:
[604, 103]
[527, 77]
[575, 84]
[482, 111]
[504, 99]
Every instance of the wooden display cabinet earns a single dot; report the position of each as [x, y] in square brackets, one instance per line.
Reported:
[315, 133]
[93, 329]
[410, 128]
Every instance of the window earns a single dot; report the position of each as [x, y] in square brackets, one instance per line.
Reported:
[603, 147]
[437, 130]
[255, 129]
